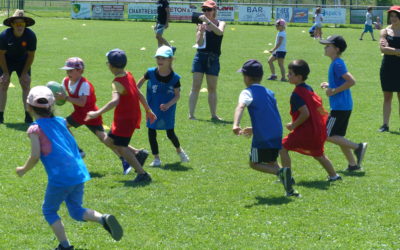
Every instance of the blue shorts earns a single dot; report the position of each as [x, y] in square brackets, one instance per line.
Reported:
[279, 54]
[205, 62]
[73, 197]
[368, 28]
[159, 28]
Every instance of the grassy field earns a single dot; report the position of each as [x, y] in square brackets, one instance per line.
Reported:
[215, 201]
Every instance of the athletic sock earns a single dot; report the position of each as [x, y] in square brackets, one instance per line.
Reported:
[65, 243]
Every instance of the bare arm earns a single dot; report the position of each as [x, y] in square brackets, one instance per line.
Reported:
[218, 30]
[280, 40]
[168, 17]
[140, 82]
[349, 82]
[237, 118]
[33, 158]
[166, 106]
[3, 63]
[80, 101]
[110, 105]
[201, 28]
[149, 113]
[384, 46]
[303, 116]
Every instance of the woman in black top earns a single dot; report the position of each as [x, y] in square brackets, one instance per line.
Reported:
[206, 61]
[390, 47]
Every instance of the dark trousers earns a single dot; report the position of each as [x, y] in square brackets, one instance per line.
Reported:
[153, 139]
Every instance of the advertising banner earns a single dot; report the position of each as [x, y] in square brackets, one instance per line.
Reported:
[254, 14]
[181, 12]
[358, 16]
[142, 11]
[283, 13]
[107, 11]
[334, 15]
[300, 15]
[80, 11]
[226, 13]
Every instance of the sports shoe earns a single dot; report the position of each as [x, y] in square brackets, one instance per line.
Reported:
[284, 80]
[184, 156]
[82, 153]
[293, 193]
[173, 50]
[1, 117]
[333, 179]
[142, 178]
[112, 226]
[272, 78]
[285, 175]
[353, 168]
[59, 247]
[28, 118]
[360, 152]
[141, 156]
[384, 128]
[155, 163]
[126, 167]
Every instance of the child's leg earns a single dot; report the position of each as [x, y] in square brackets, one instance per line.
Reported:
[174, 139]
[362, 34]
[271, 60]
[59, 232]
[152, 133]
[346, 146]
[268, 167]
[327, 164]
[387, 106]
[281, 62]
[285, 158]
[372, 35]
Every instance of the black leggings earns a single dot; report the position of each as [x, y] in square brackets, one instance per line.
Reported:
[153, 139]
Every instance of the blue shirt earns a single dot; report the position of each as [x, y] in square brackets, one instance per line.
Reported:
[64, 165]
[265, 118]
[342, 100]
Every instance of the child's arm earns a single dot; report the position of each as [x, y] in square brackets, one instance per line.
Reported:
[33, 158]
[237, 117]
[166, 106]
[350, 81]
[140, 82]
[303, 116]
[280, 40]
[149, 113]
[110, 105]
[80, 101]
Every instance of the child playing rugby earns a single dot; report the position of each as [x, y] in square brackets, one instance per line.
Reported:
[279, 51]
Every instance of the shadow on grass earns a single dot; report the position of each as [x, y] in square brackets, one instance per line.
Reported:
[270, 201]
[354, 173]
[130, 183]
[323, 185]
[394, 132]
[20, 126]
[215, 121]
[96, 175]
[177, 166]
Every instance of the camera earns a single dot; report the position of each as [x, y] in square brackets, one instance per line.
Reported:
[195, 17]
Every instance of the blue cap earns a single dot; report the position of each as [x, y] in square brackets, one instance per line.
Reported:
[164, 51]
[117, 58]
[252, 68]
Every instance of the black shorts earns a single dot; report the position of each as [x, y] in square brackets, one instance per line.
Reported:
[119, 140]
[17, 67]
[279, 54]
[92, 128]
[259, 155]
[337, 123]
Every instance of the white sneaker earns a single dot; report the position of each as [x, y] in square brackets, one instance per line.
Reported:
[184, 156]
[155, 163]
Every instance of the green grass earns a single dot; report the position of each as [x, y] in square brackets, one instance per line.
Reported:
[216, 201]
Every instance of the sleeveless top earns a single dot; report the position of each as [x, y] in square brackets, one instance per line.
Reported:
[213, 43]
[394, 42]
[161, 93]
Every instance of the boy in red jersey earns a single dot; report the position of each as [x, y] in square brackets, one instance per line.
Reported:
[127, 114]
[308, 127]
[83, 97]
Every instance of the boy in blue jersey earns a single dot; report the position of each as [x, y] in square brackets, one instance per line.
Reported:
[340, 100]
[266, 125]
[52, 142]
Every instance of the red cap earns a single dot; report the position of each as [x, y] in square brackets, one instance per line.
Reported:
[395, 8]
[209, 4]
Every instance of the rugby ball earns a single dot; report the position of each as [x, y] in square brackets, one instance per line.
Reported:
[55, 87]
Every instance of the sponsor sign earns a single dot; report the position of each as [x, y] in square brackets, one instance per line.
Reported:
[80, 11]
[358, 16]
[254, 13]
[142, 11]
[283, 13]
[226, 13]
[300, 15]
[333, 15]
[107, 11]
[181, 12]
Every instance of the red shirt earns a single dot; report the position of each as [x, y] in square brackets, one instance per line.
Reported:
[127, 114]
[309, 137]
[79, 113]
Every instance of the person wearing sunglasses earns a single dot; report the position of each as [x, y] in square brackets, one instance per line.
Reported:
[206, 61]
[17, 52]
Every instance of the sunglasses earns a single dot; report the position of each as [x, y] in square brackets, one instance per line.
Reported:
[206, 9]
[19, 24]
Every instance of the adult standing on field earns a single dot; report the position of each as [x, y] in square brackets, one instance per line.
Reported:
[206, 61]
[389, 74]
[162, 22]
[17, 52]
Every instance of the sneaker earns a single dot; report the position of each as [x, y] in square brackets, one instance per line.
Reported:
[28, 118]
[155, 163]
[360, 152]
[384, 128]
[293, 193]
[82, 153]
[285, 175]
[173, 50]
[1, 117]
[59, 247]
[141, 156]
[353, 168]
[272, 78]
[142, 178]
[284, 80]
[333, 179]
[112, 226]
[184, 156]
[126, 167]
